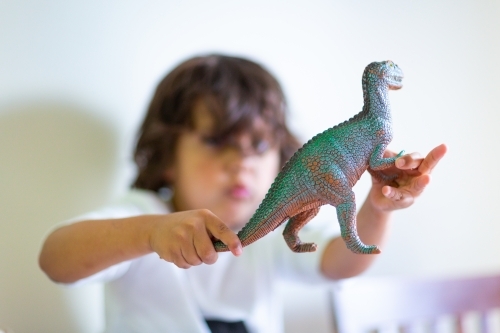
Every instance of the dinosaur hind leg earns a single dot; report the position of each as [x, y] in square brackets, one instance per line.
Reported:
[346, 214]
[292, 229]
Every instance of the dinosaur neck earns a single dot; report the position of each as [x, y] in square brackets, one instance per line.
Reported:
[376, 101]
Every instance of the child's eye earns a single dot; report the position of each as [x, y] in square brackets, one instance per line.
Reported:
[261, 146]
[212, 141]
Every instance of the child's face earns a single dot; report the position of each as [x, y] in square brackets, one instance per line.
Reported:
[222, 179]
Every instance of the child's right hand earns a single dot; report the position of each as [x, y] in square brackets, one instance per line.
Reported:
[185, 238]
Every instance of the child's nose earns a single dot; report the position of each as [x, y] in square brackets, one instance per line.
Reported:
[239, 159]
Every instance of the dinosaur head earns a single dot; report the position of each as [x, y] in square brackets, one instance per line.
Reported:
[386, 72]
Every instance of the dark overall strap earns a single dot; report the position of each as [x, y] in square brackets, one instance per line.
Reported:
[217, 326]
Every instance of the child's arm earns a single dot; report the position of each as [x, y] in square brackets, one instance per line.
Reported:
[372, 221]
[79, 250]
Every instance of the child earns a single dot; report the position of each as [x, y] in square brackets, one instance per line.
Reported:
[215, 134]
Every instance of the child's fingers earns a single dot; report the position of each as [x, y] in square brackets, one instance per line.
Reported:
[409, 161]
[392, 193]
[219, 230]
[204, 247]
[433, 158]
[402, 198]
[178, 260]
[420, 183]
[189, 254]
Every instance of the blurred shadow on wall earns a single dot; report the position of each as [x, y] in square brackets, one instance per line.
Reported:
[57, 160]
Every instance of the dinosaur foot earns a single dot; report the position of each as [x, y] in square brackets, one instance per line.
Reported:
[303, 247]
[364, 249]
[356, 246]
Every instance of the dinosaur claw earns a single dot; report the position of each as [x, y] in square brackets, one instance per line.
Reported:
[304, 247]
[363, 249]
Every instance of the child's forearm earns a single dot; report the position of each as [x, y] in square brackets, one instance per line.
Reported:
[338, 262]
[78, 250]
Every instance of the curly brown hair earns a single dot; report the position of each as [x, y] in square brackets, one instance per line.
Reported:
[236, 91]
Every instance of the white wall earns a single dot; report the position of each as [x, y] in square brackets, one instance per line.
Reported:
[75, 78]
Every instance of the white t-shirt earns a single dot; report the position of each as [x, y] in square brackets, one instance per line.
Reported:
[150, 295]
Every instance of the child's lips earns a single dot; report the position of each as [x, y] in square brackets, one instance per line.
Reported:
[239, 192]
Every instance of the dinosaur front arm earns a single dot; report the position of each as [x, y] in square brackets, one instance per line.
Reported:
[377, 161]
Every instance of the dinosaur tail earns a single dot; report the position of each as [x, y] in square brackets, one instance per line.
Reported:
[261, 223]
[243, 236]
[272, 210]
[220, 247]
[270, 215]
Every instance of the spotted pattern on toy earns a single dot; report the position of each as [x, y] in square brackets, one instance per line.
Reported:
[326, 168]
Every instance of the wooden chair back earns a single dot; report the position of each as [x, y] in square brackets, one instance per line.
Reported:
[374, 304]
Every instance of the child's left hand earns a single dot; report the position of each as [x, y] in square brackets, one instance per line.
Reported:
[413, 175]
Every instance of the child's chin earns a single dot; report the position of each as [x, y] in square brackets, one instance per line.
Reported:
[242, 210]
[237, 215]
[236, 223]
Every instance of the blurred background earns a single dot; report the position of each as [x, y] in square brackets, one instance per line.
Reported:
[76, 78]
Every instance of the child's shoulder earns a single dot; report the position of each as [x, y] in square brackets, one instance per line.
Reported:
[148, 202]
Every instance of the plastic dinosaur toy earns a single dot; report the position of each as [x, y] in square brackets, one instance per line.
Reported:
[326, 168]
